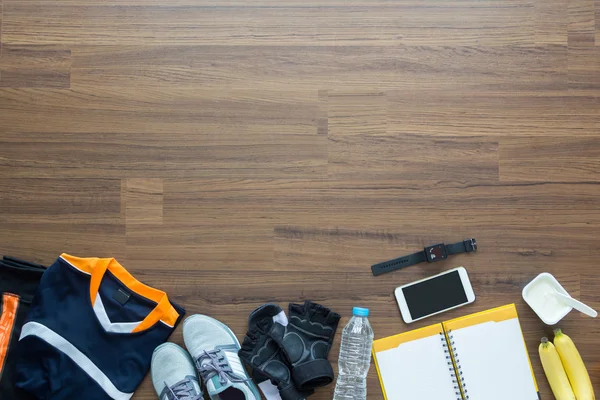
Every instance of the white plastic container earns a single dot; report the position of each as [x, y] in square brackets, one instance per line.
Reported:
[539, 295]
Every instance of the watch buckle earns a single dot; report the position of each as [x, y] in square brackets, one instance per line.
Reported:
[470, 245]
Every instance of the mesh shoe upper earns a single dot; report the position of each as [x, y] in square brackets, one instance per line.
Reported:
[174, 374]
[214, 347]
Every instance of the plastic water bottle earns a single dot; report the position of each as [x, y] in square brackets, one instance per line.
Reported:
[355, 357]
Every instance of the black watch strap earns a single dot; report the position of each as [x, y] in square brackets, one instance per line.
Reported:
[466, 246]
[430, 254]
[398, 263]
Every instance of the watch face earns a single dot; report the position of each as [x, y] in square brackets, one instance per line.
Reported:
[436, 253]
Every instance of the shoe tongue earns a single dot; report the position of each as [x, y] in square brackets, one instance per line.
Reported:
[194, 383]
[214, 385]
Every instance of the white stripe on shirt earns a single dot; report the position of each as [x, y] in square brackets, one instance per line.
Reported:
[117, 327]
[63, 345]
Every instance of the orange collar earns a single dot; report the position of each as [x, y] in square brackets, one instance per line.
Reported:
[97, 267]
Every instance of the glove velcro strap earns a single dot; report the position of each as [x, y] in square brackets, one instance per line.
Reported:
[290, 393]
[312, 374]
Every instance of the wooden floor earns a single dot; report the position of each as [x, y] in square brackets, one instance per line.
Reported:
[238, 152]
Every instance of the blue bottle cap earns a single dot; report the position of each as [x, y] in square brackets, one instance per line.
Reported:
[360, 312]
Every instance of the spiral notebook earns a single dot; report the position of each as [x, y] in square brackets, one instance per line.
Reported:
[478, 357]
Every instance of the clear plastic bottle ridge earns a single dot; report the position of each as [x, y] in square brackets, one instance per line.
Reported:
[355, 357]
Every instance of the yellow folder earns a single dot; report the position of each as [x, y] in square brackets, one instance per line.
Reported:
[482, 356]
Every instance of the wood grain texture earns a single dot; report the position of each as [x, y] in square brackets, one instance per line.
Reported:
[35, 66]
[582, 23]
[234, 153]
[143, 200]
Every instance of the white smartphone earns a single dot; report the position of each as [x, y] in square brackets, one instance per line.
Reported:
[433, 295]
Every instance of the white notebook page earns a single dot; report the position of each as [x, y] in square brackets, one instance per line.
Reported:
[494, 361]
[417, 370]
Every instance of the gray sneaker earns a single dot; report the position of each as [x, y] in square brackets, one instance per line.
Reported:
[173, 374]
[214, 349]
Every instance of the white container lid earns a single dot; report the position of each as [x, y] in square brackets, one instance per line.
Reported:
[539, 295]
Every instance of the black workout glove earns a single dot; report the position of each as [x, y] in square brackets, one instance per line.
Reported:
[304, 344]
[306, 341]
[264, 355]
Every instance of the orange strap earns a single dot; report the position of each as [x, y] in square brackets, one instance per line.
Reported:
[10, 305]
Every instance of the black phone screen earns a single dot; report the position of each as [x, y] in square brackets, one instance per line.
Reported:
[433, 295]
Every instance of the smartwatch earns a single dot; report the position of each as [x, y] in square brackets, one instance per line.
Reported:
[431, 254]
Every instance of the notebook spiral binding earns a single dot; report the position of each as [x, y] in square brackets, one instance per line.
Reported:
[460, 386]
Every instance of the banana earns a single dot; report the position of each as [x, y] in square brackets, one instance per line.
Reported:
[555, 372]
[574, 367]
